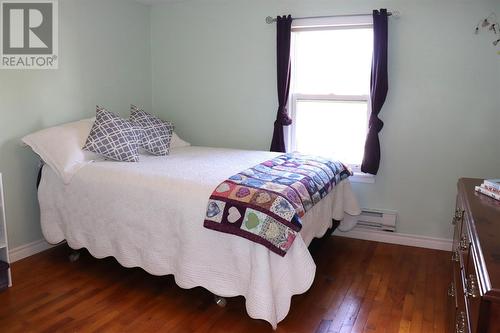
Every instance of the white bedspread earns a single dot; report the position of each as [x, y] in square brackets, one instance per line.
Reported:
[150, 214]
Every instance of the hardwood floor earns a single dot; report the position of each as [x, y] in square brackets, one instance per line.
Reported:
[360, 286]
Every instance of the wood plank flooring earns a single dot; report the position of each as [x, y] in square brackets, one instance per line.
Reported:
[360, 286]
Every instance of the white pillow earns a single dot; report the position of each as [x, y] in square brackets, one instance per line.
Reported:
[60, 147]
[177, 142]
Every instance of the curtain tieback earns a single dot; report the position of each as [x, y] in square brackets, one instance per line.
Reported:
[283, 118]
[376, 124]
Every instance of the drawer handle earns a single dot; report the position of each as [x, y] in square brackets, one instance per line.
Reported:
[455, 256]
[464, 244]
[459, 215]
[460, 322]
[472, 287]
[451, 290]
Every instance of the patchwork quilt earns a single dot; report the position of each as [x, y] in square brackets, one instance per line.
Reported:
[265, 203]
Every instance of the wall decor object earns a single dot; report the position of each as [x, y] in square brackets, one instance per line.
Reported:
[490, 24]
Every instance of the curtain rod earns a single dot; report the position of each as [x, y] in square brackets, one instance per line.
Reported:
[270, 19]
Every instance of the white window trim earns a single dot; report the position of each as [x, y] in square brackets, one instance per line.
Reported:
[333, 22]
[339, 22]
[314, 97]
[359, 177]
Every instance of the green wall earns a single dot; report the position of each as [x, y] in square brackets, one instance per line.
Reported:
[214, 76]
[104, 58]
[210, 67]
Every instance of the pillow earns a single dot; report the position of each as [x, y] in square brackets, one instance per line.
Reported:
[60, 147]
[114, 137]
[178, 142]
[157, 134]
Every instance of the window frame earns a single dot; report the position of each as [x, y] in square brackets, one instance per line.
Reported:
[331, 23]
[328, 98]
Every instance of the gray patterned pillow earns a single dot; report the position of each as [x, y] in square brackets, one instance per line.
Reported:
[114, 137]
[157, 133]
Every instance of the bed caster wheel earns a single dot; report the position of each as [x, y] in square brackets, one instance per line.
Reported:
[220, 301]
[74, 256]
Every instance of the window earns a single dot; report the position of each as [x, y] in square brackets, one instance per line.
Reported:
[329, 97]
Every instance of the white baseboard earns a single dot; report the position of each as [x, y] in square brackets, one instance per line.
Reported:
[41, 245]
[397, 238]
[29, 249]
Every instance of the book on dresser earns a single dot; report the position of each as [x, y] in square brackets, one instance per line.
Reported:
[489, 187]
[483, 190]
[492, 185]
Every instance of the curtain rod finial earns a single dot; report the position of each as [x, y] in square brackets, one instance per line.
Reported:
[270, 20]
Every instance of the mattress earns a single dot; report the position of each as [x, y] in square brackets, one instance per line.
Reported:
[150, 215]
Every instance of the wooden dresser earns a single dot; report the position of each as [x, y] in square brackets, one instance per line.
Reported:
[474, 292]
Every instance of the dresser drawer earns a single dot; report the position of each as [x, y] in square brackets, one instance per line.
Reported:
[455, 254]
[454, 293]
[461, 317]
[464, 250]
[466, 247]
[457, 221]
[472, 293]
[475, 307]
[458, 314]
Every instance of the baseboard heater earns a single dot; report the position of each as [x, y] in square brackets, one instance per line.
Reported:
[375, 219]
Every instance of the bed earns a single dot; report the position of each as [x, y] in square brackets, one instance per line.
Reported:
[150, 215]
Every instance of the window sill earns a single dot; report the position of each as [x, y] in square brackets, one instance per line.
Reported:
[360, 177]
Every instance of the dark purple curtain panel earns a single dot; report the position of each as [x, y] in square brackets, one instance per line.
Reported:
[283, 37]
[379, 87]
